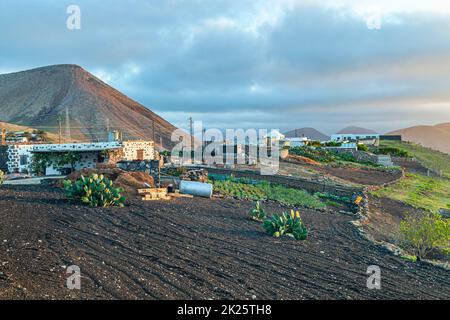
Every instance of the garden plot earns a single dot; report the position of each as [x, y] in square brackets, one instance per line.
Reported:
[190, 249]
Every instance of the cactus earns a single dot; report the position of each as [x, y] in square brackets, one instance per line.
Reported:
[258, 213]
[285, 224]
[95, 191]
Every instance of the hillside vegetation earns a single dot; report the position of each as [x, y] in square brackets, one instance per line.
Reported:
[427, 193]
[434, 160]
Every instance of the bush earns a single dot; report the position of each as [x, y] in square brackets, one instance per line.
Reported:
[258, 213]
[363, 147]
[332, 144]
[392, 151]
[285, 224]
[425, 232]
[96, 191]
[317, 154]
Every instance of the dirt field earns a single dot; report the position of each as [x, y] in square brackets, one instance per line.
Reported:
[190, 248]
[385, 216]
[341, 174]
[360, 175]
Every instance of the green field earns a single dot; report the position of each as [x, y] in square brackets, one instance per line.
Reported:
[420, 192]
[434, 160]
[266, 191]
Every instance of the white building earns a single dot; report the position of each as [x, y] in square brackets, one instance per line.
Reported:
[297, 142]
[343, 137]
[19, 157]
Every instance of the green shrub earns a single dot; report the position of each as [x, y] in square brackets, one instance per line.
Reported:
[317, 154]
[285, 224]
[425, 232]
[332, 144]
[363, 147]
[324, 195]
[96, 191]
[346, 157]
[258, 213]
[392, 151]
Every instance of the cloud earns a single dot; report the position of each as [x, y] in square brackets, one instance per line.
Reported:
[280, 63]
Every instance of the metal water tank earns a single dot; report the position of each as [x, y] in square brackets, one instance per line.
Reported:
[196, 188]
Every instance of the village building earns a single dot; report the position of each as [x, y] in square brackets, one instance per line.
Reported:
[342, 137]
[297, 142]
[18, 158]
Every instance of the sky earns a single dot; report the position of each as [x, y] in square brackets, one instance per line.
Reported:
[275, 64]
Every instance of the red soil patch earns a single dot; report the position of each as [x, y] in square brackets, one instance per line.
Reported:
[128, 181]
[301, 160]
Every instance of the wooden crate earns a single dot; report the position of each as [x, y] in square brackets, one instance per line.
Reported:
[154, 194]
[152, 190]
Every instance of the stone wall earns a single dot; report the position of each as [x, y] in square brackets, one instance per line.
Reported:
[140, 166]
[138, 150]
[15, 152]
[4, 158]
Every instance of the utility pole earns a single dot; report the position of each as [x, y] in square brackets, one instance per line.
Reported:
[153, 130]
[191, 129]
[68, 135]
[60, 128]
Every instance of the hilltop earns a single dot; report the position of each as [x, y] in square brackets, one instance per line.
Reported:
[37, 97]
[434, 137]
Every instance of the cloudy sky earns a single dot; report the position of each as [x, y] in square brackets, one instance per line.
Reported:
[381, 64]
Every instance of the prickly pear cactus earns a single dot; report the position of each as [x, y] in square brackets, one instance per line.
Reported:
[95, 191]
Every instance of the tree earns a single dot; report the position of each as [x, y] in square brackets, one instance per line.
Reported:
[40, 162]
[425, 232]
[70, 158]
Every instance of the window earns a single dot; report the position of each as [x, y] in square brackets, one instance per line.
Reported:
[23, 160]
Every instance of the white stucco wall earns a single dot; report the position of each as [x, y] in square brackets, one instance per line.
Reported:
[89, 151]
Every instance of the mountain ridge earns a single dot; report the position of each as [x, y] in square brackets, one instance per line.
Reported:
[308, 132]
[436, 137]
[87, 106]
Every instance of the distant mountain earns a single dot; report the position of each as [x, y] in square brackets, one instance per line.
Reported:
[86, 106]
[356, 130]
[310, 133]
[435, 137]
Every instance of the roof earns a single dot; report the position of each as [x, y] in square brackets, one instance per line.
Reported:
[76, 147]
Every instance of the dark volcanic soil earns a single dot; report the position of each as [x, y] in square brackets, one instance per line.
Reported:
[360, 175]
[190, 248]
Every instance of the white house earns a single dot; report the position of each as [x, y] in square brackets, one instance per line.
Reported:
[297, 142]
[342, 137]
[18, 157]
